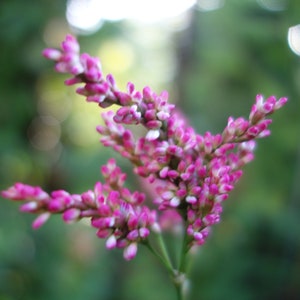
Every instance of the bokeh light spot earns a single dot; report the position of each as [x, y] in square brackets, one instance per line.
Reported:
[294, 38]
[208, 5]
[117, 55]
[273, 5]
[87, 16]
[84, 15]
[44, 133]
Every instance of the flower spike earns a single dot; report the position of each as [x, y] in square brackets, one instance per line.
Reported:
[187, 175]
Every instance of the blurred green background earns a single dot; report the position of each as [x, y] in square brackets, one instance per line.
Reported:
[213, 62]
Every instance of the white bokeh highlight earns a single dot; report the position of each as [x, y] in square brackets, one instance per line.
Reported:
[88, 15]
[294, 38]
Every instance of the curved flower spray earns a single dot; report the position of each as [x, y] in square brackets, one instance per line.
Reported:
[192, 174]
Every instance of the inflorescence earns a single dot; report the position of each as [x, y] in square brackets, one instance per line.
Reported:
[192, 174]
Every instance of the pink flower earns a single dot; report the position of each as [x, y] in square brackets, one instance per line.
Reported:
[71, 215]
[130, 251]
[187, 175]
[115, 212]
[40, 220]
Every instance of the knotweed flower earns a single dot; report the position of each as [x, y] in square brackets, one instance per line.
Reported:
[190, 174]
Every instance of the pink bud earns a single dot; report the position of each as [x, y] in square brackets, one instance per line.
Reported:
[282, 101]
[268, 107]
[70, 44]
[198, 236]
[133, 235]
[130, 251]
[211, 219]
[264, 133]
[190, 230]
[103, 233]
[152, 135]
[191, 199]
[88, 198]
[225, 188]
[111, 242]
[71, 215]
[175, 201]
[40, 220]
[133, 221]
[208, 147]
[220, 198]
[181, 193]
[247, 158]
[53, 54]
[130, 87]
[173, 174]
[11, 193]
[253, 131]
[153, 124]
[162, 115]
[55, 205]
[124, 98]
[147, 93]
[144, 232]
[103, 223]
[29, 207]
[259, 100]
[73, 80]
[248, 146]
[104, 210]
[110, 79]
[164, 172]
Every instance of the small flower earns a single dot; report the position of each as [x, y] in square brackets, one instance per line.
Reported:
[111, 242]
[71, 215]
[40, 220]
[130, 251]
[152, 135]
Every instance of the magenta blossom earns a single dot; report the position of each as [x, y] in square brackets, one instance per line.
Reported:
[189, 175]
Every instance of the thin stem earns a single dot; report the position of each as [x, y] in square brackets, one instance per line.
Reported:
[180, 283]
[178, 274]
[183, 254]
[179, 292]
[178, 277]
[163, 248]
[180, 280]
[164, 258]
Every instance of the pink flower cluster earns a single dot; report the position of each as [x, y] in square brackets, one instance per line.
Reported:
[192, 174]
[116, 213]
[146, 108]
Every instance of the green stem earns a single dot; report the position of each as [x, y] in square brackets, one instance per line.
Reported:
[178, 275]
[164, 251]
[180, 280]
[163, 256]
[183, 254]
